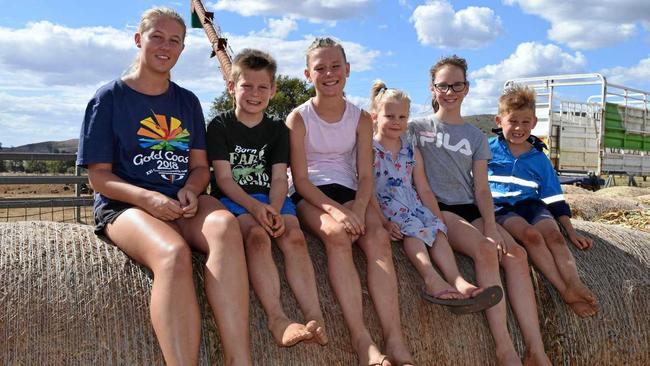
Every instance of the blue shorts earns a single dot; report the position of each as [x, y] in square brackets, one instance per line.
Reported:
[533, 212]
[288, 208]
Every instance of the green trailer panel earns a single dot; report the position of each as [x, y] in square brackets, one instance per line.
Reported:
[626, 131]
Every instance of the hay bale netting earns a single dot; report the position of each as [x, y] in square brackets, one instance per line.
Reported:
[69, 298]
[591, 206]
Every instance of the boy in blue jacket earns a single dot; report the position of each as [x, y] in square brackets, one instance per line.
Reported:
[528, 199]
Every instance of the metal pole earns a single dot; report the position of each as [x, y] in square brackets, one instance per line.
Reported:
[219, 44]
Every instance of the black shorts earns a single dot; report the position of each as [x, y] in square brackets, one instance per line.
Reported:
[107, 212]
[469, 212]
[336, 192]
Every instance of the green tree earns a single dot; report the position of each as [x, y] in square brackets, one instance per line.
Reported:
[35, 166]
[291, 92]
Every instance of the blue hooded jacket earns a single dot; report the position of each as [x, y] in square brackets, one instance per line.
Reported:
[529, 177]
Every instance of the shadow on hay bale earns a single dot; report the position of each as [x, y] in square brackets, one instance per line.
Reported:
[69, 298]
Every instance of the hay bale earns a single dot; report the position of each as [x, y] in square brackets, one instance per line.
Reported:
[645, 199]
[591, 206]
[622, 191]
[638, 219]
[66, 297]
[567, 188]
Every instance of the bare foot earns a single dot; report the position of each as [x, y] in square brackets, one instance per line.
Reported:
[536, 359]
[318, 331]
[509, 358]
[580, 300]
[467, 288]
[287, 333]
[442, 290]
[369, 354]
[398, 353]
[583, 309]
[582, 291]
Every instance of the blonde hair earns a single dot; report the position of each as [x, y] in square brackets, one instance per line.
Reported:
[452, 60]
[251, 59]
[515, 98]
[147, 21]
[380, 94]
[324, 42]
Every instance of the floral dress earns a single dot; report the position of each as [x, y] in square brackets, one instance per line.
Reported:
[397, 196]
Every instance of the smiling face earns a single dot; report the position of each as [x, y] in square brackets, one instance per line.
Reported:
[517, 125]
[252, 92]
[449, 75]
[160, 45]
[391, 118]
[327, 70]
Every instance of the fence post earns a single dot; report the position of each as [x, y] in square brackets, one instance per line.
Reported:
[77, 193]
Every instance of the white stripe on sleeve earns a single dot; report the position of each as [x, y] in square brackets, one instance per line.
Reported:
[514, 180]
[506, 194]
[552, 199]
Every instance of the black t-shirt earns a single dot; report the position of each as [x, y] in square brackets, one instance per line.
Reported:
[250, 151]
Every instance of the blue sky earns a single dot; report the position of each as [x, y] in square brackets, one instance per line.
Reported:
[55, 54]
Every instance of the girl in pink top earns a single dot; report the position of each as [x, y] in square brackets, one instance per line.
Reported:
[328, 136]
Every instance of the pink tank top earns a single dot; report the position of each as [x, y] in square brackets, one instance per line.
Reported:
[330, 148]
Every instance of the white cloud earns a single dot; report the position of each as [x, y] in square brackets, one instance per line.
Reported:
[61, 56]
[438, 25]
[279, 28]
[588, 24]
[630, 75]
[530, 59]
[315, 10]
[48, 72]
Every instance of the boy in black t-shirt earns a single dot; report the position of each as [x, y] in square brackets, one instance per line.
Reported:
[249, 151]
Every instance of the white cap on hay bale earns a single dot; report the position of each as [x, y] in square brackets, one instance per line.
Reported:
[70, 298]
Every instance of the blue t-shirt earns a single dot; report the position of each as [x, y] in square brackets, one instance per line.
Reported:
[147, 138]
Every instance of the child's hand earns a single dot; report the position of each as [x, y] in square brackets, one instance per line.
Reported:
[581, 242]
[278, 226]
[188, 202]
[349, 220]
[492, 234]
[264, 215]
[393, 230]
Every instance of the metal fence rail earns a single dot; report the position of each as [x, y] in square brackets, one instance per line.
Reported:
[75, 201]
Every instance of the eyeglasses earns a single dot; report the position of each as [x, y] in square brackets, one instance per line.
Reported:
[457, 87]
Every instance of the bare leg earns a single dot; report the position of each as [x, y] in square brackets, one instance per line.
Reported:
[470, 241]
[300, 275]
[382, 285]
[577, 295]
[173, 306]
[539, 253]
[522, 300]
[215, 231]
[343, 278]
[416, 252]
[443, 256]
[264, 277]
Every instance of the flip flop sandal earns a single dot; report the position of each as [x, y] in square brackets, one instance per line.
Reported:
[435, 299]
[486, 299]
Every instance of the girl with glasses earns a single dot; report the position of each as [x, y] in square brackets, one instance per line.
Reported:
[455, 155]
